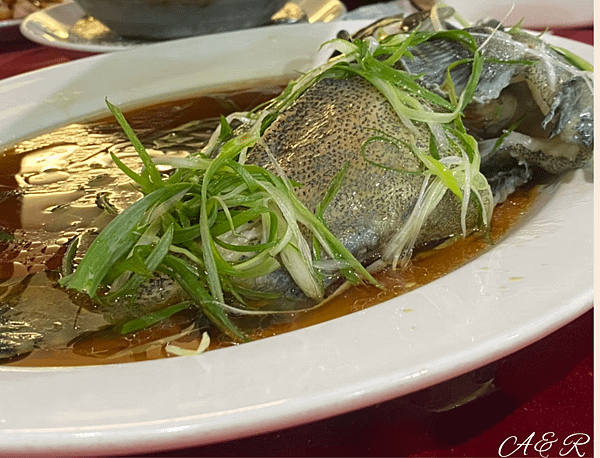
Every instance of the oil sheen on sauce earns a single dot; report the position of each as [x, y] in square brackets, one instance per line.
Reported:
[50, 188]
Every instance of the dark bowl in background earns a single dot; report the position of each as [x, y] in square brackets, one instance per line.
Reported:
[167, 19]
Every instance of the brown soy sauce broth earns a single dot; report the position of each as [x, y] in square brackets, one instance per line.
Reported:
[49, 189]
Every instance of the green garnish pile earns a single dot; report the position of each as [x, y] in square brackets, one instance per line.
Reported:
[191, 224]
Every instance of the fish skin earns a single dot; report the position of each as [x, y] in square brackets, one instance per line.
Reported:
[314, 139]
[343, 115]
[325, 129]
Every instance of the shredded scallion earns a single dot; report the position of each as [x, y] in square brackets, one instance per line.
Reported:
[216, 220]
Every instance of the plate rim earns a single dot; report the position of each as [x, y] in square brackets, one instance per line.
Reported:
[10, 22]
[117, 437]
[30, 24]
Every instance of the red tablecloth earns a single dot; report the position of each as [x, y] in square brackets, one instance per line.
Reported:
[544, 392]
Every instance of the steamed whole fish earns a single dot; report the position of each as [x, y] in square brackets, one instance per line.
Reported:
[535, 111]
[530, 108]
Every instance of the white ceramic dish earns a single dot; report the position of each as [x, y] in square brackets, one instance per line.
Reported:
[54, 26]
[535, 281]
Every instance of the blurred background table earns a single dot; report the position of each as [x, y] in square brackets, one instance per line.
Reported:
[544, 388]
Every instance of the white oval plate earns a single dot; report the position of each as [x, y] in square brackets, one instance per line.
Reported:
[534, 282]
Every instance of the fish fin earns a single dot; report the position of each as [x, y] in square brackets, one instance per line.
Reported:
[553, 155]
[431, 59]
[505, 182]
[569, 106]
